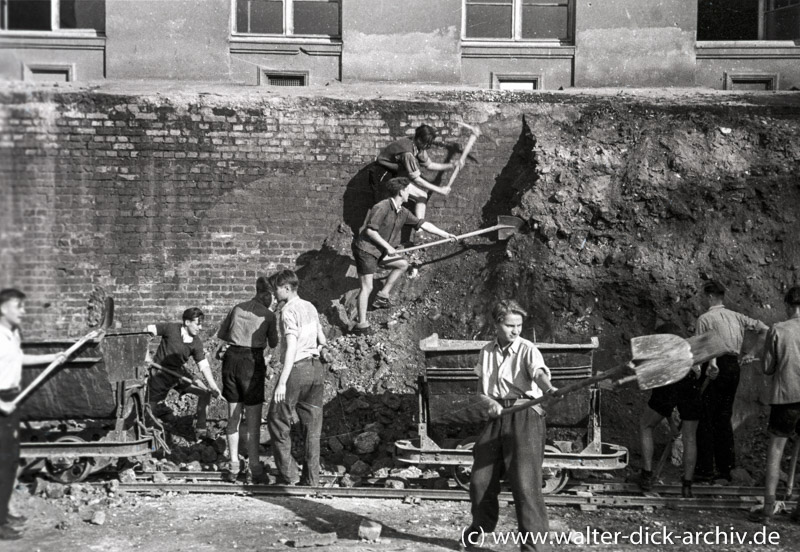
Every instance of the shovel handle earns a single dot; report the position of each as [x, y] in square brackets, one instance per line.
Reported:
[195, 382]
[471, 142]
[55, 364]
[458, 238]
[567, 389]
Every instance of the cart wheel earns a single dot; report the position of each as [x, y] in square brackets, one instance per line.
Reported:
[68, 470]
[461, 474]
[553, 480]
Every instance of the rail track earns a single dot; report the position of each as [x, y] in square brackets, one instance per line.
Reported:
[584, 495]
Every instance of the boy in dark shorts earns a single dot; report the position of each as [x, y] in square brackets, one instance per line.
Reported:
[685, 395]
[247, 330]
[179, 343]
[373, 247]
[782, 362]
[404, 158]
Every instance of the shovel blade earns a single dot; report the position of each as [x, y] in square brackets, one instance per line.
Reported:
[648, 347]
[662, 371]
[510, 226]
[108, 314]
[705, 347]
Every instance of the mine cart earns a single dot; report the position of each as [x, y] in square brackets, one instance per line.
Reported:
[89, 412]
[448, 384]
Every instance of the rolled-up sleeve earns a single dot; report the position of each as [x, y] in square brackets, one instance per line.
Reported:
[376, 216]
[410, 163]
[534, 362]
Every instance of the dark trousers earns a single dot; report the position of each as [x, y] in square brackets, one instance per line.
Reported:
[510, 446]
[9, 455]
[304, 395]
[715, 443]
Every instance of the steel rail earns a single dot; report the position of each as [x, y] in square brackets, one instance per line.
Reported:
[584, 502]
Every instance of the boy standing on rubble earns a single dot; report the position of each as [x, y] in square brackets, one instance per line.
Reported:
[510, 369]
[12, 308]
[247, 331]
[404, 158]
[373, 247]
[179, 342]
[782, 362]
[300, 385]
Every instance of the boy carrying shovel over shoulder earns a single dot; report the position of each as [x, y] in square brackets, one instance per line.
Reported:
[373, 247]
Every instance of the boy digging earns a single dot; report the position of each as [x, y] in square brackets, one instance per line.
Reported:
[373, 247]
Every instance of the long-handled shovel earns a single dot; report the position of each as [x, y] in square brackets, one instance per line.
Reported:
[196, 381]
[506, 227]
[99, 332]
[475, 133]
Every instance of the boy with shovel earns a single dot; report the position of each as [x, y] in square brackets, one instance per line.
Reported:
[374, 247]
[510, 369]
[405, 157]
[12, 308]
[179, 342]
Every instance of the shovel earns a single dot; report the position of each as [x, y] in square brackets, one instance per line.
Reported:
[99, 332]
[506, 227]
[196, 382]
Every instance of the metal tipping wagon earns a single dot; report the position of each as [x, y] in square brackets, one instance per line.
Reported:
[89, 412]
[573, 424]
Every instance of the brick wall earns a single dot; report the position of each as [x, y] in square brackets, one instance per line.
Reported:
[170, 201]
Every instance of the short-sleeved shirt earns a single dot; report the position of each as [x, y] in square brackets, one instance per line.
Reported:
[728, 325]
[782, 359]
[387, 218]
[173, 352]
[404, 154]
[10, 358]
[508, 372]
[250, 324]
[300, 319]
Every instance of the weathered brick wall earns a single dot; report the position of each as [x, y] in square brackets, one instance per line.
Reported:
[168, 201]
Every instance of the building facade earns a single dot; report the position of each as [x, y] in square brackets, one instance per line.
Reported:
[503, 44]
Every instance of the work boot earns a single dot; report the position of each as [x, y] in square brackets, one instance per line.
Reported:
[646, 480]
[763, 515]
[231, 473]
[9, 533]
[686, 489]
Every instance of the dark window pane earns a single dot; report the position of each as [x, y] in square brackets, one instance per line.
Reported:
[316, 18]
[259, 16]
[29, 15]
[508, 2]
[488, 21]
[727, 20]
[545, 22]
[783, 24]
[83, 14]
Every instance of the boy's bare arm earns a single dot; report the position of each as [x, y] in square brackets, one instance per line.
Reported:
[380, 242]
[433, 229]
[542, 379]
[422, 183]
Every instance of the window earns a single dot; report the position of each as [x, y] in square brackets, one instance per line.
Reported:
[519, 19]
[748, 19]
[53, 15]
[288, 17]
[516, 82]
[278, 78]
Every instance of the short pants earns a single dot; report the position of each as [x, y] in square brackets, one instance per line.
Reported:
[244, 373]
[366, 263]
[159, 383]
[783, 419]
[685, 394]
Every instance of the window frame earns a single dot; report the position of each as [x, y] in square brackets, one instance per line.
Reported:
[288, 25]
[767, 6]
[55, 25]
[516, 24]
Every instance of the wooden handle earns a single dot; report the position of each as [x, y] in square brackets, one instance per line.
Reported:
[181, 377]
[471, 142]
[55, 364]
[458, 238]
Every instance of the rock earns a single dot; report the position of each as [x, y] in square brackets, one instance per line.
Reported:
[159, 477]
[392, 483]
[347, 481]
[369, 530]
[741, 477]
[99, 518]
[194, 466]
[367, 442]
[316, 539]
[559, 526]
[127, 476]
[391, 401]
[360, 468]
[208, 455]
[335, 445]
[411, 472]
[54, 490]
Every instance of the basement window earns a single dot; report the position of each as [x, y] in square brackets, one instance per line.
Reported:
[288, 17]
[748, 20]
[53, 15]
[519, 20]
[273, 78]
[751, 81]
[516, 82]
[49, 72]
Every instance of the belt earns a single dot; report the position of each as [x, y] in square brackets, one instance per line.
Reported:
[246, 348]
[9, 393]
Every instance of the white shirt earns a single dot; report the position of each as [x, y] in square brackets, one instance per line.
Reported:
[300, 319]
[10, 358]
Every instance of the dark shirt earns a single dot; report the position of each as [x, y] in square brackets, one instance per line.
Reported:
[173, 352]
[404, 158]
[388, 221]
[250, 324]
